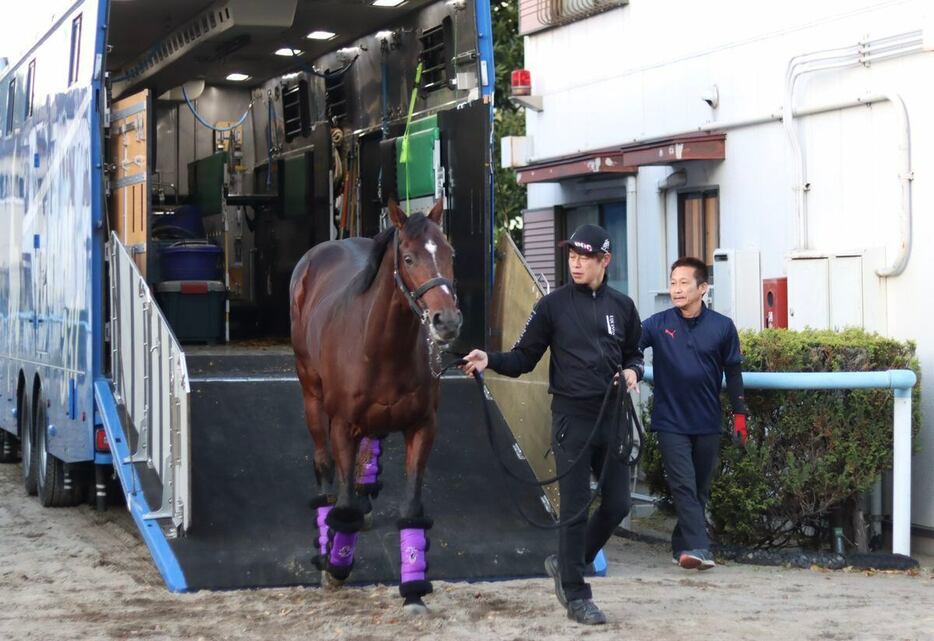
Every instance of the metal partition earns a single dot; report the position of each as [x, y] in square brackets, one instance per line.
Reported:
[150, 379]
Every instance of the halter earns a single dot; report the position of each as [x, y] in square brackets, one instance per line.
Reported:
[412, 297]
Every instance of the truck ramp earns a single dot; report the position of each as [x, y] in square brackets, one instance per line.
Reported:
[252, 481]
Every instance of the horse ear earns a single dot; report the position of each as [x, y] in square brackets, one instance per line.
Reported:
[435, 214]
[396, 215]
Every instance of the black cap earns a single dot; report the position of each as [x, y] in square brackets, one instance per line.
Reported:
[588, 239]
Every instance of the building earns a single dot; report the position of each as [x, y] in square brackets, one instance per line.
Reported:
[788, 135]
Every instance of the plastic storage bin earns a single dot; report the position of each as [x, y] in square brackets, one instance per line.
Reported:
[194, 309]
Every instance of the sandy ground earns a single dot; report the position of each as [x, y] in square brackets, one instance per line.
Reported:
[76, 574]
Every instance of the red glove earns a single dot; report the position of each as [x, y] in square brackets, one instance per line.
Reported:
[739, 430]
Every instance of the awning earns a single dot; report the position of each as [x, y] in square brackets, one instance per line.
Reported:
[625, 160]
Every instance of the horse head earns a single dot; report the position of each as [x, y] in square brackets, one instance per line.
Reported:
[424, 271]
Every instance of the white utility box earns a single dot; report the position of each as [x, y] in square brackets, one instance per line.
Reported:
[737, 287]
[836, 291]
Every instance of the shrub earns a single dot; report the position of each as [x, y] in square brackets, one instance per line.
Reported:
[809, 451]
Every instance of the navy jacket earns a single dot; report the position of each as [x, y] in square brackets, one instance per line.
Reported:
[590, 333]
[688, 360]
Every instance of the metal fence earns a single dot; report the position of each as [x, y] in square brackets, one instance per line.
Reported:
[151, 386]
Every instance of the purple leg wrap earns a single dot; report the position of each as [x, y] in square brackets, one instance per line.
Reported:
[342, 548]
[412, 545]
[323, 529]
[369, 461]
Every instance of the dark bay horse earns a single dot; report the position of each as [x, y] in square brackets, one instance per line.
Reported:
[363, 312]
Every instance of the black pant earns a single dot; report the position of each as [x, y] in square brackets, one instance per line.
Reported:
[690, 462]
[579, 542]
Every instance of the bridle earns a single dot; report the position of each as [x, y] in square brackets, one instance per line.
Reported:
[412, 297]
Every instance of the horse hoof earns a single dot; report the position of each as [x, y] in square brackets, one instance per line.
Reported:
[414, 608]
[329, 582]
[368, 521]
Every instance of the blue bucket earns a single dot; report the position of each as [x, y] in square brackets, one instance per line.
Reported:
[190, 260]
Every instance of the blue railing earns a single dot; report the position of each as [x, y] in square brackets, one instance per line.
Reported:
[900, 381]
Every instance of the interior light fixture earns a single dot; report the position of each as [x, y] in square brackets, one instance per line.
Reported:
[321, 35]
[238, 77]
[387, 3]
[285, 51]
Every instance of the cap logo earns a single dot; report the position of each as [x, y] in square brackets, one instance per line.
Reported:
[606, 245]
[585, 246]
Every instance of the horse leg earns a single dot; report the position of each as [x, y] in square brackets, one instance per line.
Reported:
[318, 423]
[413, 524]
[345, 519]
[368, 484]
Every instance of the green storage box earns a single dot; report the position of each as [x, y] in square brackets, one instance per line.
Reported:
[423, 134]
[194, 308]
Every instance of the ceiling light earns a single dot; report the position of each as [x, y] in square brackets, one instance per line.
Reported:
[238, 77]
[321, 35]
[285, 51]
[387, 3]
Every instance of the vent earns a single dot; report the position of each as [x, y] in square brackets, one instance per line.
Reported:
[437, 66]
[235, 19]
[295, 110]
[184, 39]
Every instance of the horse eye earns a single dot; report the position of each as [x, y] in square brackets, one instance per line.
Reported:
[409, 260]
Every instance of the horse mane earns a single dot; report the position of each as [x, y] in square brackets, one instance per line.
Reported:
[415, 226]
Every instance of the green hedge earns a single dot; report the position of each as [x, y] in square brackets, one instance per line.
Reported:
[809, 452]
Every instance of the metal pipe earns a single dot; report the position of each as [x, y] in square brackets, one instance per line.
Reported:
[901, 381]
[632, 238]
[862, 53]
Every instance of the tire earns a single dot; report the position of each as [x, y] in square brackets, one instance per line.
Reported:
[54, 488]
[30, 456]
[9, 447]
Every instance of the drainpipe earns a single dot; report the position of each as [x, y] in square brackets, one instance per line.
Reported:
[864, 54]
[632, 239]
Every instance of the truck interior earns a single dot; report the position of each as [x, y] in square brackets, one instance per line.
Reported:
[243, 133]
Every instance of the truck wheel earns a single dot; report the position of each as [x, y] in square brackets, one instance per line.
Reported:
[53, 483]
[27, 442]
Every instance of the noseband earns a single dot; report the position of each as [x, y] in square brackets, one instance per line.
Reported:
[412, 297]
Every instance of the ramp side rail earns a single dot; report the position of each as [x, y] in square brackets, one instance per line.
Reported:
[901, 381]
[150, 380]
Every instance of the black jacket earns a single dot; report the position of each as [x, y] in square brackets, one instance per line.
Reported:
[590, 334]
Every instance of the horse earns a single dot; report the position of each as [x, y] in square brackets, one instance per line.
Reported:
[366, 317]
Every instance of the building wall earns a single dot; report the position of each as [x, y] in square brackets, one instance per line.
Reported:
[641, 75]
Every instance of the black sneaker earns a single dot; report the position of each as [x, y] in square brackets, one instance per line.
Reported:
[551, 567]
[585, 612]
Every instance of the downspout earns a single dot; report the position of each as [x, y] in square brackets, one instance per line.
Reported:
[862, 53]
[632, 238]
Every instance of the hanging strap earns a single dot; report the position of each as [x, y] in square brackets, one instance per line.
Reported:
[404, 152]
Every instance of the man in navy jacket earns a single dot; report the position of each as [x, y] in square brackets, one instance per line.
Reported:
[692, 348]
[592, 331]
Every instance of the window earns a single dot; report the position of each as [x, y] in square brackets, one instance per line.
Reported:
[699, 225]
[75, 61]
[10, 99]
[535, 15]
[30, 89]
[612, 217]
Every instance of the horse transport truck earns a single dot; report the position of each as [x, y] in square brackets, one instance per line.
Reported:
[164, 165]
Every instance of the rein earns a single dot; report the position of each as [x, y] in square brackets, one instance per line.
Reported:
[623, 446]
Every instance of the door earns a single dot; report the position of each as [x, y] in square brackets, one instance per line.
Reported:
[129, 153]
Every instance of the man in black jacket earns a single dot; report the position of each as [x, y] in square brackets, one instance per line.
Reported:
[592, 330]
